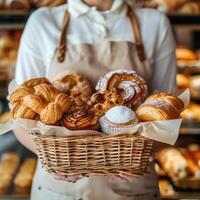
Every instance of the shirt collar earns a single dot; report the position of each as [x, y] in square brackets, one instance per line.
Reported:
[78, 8]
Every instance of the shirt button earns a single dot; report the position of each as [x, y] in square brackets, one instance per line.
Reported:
[39, 187]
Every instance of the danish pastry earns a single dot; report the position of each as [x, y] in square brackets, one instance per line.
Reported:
[83, 119]
[162, 106]
[73, 84]
[130, 85]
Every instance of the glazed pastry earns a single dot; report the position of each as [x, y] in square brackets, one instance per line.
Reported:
[118, 119]
[195, 86]
[192, 168]
[18, 4]
[101, 102]
[73, 84]
[81, 120]
[173, 162]
[131, 86]
[182, 82]
[162, 106]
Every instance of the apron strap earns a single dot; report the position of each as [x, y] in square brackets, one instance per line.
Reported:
[63, 39]
[135, 27]
[137, 34]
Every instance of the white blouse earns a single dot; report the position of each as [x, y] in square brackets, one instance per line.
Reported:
[87, 25]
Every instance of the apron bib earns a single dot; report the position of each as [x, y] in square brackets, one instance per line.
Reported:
[93, 61]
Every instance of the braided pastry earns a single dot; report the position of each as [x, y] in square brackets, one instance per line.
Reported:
[162, 106]
[131, 86]
[73, 84]
[38, 99]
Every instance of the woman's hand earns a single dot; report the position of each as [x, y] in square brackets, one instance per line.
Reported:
[122, 178]
[71, 178]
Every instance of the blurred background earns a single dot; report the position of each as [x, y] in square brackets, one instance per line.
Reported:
[178, 167]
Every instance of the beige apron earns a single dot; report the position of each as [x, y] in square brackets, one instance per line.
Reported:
[93, 61]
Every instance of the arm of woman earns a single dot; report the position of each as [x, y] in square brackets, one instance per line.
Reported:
[29, 65]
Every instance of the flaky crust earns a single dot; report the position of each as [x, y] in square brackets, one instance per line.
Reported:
[35, 81]
[73, 84]
[81, 120]
[131, 86]
[162, 106]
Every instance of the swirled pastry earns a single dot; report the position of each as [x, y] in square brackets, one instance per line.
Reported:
[162, 106]
[73, 84]
[81, 120]
[130, 85]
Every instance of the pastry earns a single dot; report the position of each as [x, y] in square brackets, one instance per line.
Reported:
[35, 81]
[190, 8]
[118, 119]
[83, 119]
[195, 152]
[192, 168]
[77, 104]
[101, 102]
[8, 166]
[130, 85]
[166, 188]
[173, 162]
[24, 177]
[162, 106]
[63, 101]
[195, 86]
[73, 84]
[182, 82]
[18, 4]
[21, 111]
[5, 117]
[183, 54]
[192, 112]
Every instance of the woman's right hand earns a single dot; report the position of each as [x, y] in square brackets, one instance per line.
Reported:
[71, 178]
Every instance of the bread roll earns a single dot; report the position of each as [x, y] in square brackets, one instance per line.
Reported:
[182, 82]
[162, 106]
[183, 54]
[195, 86]
[190, 8]
[192, 112]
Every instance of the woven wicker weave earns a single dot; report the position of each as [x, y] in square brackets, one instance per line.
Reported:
[94, 155]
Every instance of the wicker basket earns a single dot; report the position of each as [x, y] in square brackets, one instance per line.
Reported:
[94, 154]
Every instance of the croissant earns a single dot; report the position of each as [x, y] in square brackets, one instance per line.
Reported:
[19, 94]
[46, 91]
[131, 86]
[51, 114]
[64, 101]
[35, 81]
[162, 106]
[21, 111]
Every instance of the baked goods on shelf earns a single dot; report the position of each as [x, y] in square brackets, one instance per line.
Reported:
[192, 112]
[194, 86]
[50, 3]
[8, 166]
[131, 86]
[73, 84]
[18, 4]
[186, 57]
[83, 119]
[162, 106]
[5, 117]
[190, 8]
[118, 119]
[24, 177]
[166, 188]
[182, 81]
[194, 149]
[173, 162]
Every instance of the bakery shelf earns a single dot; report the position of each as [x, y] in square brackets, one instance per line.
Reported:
[183, 195]
[190, 128]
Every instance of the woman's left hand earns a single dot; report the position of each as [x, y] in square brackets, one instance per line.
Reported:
[122, 178]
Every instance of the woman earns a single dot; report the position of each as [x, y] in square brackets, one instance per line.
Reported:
[95, 36]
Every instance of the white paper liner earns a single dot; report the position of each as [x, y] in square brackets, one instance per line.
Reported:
[166, 131]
